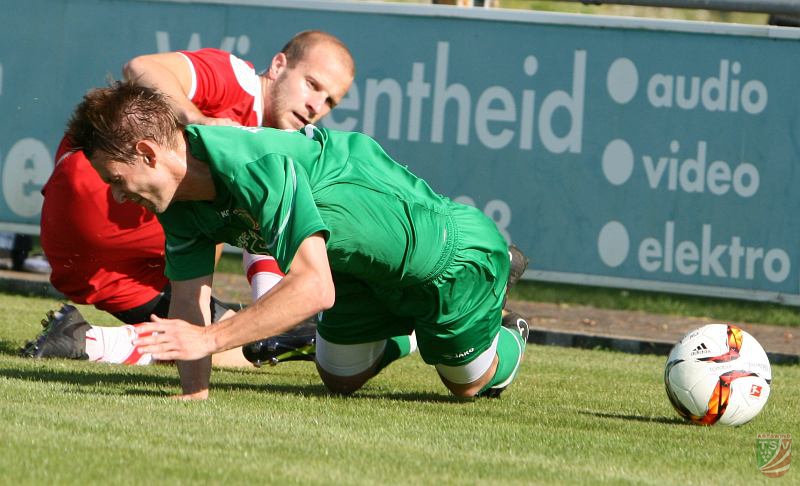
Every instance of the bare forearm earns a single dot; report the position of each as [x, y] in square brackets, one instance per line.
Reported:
[306, 290]
[193, 307]
[168, 73]
[290, 302]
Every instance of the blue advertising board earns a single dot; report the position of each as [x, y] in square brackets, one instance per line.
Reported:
[623, 152]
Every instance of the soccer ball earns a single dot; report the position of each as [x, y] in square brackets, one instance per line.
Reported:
[718, 374]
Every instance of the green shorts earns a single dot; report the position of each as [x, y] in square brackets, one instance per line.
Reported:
[456, 313]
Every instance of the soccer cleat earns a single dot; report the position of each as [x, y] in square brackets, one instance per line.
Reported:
[516, 323]
[519, 263]
[297, 344]
[64, 336]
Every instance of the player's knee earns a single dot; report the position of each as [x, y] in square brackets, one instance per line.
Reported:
[468, 390]
[468, 379]
[342, 385]
[344, 368]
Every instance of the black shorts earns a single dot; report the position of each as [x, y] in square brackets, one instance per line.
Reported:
[159, 306]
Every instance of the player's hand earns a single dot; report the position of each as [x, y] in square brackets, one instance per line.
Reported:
[173, 339]
[201, 395]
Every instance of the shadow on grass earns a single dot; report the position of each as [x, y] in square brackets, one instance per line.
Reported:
[418, 397]
[92, 381]
[637, 418]
[10, 348]
[84, 378]
[107, 377]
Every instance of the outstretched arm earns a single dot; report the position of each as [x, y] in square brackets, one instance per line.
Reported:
[170, 74]
[306, 290]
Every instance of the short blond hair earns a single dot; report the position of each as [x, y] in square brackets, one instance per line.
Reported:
[298, 46]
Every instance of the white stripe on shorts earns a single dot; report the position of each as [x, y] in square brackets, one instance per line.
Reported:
[471, 371]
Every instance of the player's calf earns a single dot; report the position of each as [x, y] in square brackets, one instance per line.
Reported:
[492, 371]
[511, 342]
[469, 379]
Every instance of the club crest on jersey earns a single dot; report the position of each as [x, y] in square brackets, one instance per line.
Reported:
[252, 242]
[247, 219]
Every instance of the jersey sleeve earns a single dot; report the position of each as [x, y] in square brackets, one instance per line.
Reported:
[189, 252]
[277, 190]
[222, 84]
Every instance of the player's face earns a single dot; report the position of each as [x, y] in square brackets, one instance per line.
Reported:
[141, 182]
[307, 91]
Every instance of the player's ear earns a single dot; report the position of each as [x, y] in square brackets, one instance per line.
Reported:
[279, 63]
[146, 149]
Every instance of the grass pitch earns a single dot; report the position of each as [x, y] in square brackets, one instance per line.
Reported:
[572, 417]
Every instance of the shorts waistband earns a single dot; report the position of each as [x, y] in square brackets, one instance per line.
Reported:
[451, 238]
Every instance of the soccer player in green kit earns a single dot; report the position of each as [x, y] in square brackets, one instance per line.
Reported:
[362, 241]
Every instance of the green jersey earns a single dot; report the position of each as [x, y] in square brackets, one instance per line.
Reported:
[275, 188]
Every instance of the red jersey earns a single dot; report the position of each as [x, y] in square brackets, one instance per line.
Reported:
[224, 86]
[111, 255]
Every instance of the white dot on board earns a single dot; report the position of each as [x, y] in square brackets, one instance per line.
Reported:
[531, 65]
[622, 80]
[613, 244]
[617, 162]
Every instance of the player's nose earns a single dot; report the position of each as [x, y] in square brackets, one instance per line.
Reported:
[316, 105]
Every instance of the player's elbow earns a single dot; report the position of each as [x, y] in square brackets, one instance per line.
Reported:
[320, 292]
[134, 68]
[326, 293]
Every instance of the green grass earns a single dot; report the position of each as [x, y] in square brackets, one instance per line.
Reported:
[230, 263]
[572, 416]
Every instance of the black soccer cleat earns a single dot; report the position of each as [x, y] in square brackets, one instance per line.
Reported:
[297, 344]
[519, 263]
[518, 324]
[64, 336]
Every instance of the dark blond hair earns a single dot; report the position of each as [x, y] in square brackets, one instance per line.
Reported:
[113, 119]
[299, 45]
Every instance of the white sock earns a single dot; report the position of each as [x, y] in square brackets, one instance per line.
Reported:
[262, 273]
[114, 345]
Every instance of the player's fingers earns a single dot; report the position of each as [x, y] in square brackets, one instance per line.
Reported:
[166, 356]
[147, 330]
[160, 347]
[162, 320]
[191, 396]
[149, 344]
[149, 334]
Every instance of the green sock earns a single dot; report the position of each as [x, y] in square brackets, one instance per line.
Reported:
[396, 348]
[509, 354]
